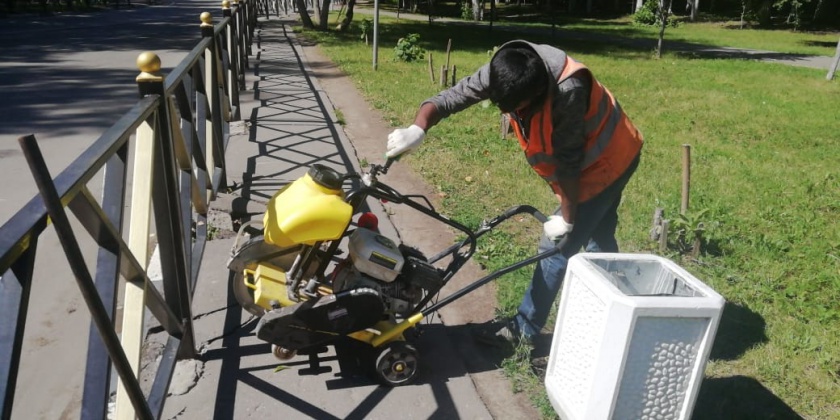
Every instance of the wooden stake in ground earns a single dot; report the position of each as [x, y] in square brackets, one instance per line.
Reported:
[686, 178]
[656, 227]
[663, 236]
[448, 50]
[431, 69]
[504, 122]
[454, 75]
[444, 74]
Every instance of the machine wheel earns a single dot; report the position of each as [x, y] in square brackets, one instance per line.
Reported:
[396, 364]
[282, 353]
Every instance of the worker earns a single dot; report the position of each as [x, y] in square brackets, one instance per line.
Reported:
[575, 135]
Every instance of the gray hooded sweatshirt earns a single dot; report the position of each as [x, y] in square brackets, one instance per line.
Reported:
[570, 100]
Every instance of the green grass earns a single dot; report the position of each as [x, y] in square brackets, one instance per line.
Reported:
[764, 168]
[705, 31]
[726, 34]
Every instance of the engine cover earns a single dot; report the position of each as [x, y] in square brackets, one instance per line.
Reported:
[375, 255]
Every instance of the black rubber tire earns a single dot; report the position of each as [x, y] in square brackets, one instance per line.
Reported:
[281, 353]
[396, 364]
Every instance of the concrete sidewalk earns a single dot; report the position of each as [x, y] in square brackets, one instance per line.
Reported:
[289, 125]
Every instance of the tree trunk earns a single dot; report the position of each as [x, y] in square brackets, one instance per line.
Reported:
[324, 17]
[305, 20]
[817, 10]
[348, 16]
[763, 13]
[691, 8]
[476, 10]
[663, 13]
[743, 13]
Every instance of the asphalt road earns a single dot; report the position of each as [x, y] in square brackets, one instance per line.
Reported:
[66, 79]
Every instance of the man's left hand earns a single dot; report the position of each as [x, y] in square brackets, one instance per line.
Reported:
[556, 228]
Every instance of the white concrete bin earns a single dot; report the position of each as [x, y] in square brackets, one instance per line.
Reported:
[632, 338]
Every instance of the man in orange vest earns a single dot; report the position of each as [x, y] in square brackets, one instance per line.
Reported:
[574, 134]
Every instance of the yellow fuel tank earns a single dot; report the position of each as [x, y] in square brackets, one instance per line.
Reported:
[310, 209]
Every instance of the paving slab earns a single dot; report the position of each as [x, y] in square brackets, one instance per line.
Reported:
[291, 124]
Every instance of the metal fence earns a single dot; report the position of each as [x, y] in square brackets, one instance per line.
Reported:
[173, 143]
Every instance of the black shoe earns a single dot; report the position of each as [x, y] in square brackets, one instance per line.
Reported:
[502, 334]
[539, 366]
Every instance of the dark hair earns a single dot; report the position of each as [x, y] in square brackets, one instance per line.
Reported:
[517, 74]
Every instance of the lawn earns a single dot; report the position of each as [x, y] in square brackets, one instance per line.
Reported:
[709, 31]
[765, 185]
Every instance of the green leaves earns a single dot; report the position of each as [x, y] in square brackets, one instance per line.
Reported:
[407, 49]
[365, 26]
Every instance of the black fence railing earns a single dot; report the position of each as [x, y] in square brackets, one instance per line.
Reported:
[176, 136]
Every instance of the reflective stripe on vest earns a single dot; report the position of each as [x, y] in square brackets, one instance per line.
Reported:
[605, 126]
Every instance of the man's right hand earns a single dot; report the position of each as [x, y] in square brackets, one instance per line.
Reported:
[404, 140]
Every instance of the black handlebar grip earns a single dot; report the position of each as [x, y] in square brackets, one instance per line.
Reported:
[561, 243]
[524, 209]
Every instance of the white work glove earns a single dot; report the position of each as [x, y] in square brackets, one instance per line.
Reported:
[556, 228]
[404, 140]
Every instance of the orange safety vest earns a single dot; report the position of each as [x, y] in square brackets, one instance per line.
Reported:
[612, 141]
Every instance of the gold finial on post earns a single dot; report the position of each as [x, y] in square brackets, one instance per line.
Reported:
[226, 4]
[206, 19]
[149, 65]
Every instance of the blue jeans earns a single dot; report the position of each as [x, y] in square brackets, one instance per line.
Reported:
[595, 225]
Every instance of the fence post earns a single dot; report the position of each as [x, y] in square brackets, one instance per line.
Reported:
[167, 211]
[237, 79]
[14, 305]
[241, 28]
[139, 228]
[72, 251]
[215, 141]
[246, 12]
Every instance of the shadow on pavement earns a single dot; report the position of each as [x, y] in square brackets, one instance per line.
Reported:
[438, 363]
[292, 126]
